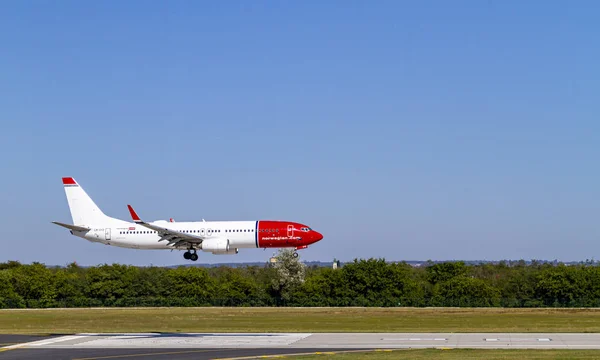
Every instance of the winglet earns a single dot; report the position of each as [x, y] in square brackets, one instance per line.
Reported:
[134, 215]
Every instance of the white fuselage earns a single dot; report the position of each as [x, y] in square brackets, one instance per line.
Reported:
[241, 234]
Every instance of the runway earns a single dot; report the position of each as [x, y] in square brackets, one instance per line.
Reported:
[233, 345]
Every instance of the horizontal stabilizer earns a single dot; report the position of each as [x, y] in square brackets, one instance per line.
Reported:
[72, 227]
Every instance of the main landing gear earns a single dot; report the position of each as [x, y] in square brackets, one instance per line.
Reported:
[189, 255]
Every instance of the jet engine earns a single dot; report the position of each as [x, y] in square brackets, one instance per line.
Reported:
[220, 246]
[230, 252]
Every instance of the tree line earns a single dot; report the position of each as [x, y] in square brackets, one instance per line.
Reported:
[363, 282]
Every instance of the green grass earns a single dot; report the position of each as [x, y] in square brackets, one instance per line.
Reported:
[458, 354]
[63, 321]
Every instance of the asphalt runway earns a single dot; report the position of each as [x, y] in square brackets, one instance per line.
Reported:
[243, 345]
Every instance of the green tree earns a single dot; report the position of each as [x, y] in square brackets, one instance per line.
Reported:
[191, 286]
[445, 271]
[465, 291]
[35, 284]
[235, 287]
[8, 296]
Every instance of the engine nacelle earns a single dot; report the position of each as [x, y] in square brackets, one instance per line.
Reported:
[230, 252]
[216, 246]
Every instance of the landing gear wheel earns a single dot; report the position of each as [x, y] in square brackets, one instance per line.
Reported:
[187, 255]
[295, 254]
[194, 257]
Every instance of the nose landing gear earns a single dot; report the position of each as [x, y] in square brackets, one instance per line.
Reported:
[189, 255]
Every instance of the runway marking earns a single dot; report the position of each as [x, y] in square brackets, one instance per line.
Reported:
[40, 342]
[518, 339]
[55, 340]
[414, 339]
[150, 354]
[301, 354]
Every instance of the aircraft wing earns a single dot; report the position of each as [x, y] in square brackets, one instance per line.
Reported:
[174, 237]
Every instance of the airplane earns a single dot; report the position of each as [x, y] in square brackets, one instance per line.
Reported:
[216, 237]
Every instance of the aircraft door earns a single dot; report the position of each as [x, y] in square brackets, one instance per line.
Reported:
[107, 234]
[290, 231]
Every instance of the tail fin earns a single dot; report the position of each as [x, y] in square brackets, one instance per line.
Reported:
[83, 209]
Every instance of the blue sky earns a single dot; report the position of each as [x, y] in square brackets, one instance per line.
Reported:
[399, 129]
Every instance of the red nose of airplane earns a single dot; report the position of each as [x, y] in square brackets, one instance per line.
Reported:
[317, 236]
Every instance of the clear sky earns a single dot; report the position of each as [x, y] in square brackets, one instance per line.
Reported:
[399, 129]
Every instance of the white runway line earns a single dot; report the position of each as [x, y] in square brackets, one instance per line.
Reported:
[414, 339]
[44, 342]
